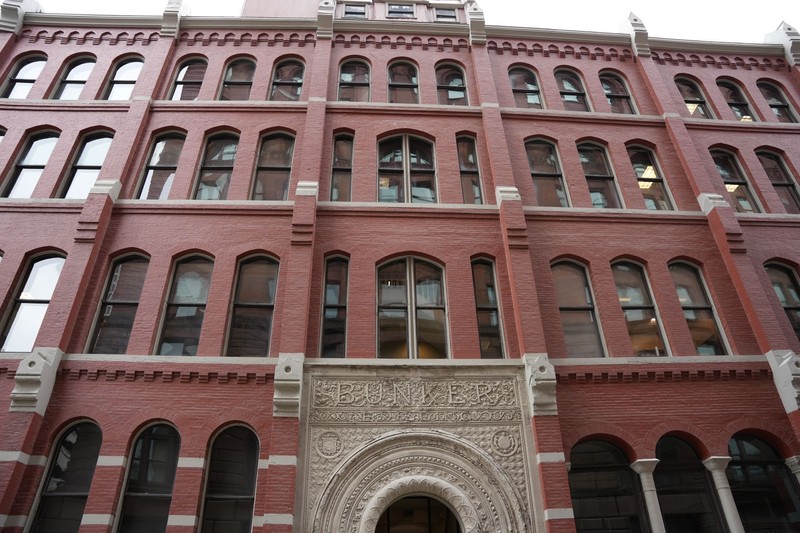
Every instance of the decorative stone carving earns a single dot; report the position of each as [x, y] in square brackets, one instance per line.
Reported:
[288, 385]
[477, 22]
[789, 37]
[785, 366]
[639, 36]
[325, 19]
[329, 445]
[307, 188]
[504, 443]
[709, 201]
[171, 19]
[504, 193]
[34, 380]
[11, 16]
[540, 376]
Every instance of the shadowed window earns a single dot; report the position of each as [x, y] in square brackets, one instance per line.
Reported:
[253, 307]
[186, 307]
[576, 308]
[119, 305]
[189, 80]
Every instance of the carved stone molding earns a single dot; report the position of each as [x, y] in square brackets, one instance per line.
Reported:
[540, 376]
[34, 380]
[785, 366]
[288, 385]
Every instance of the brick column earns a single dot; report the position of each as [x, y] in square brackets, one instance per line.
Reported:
[717, 465]
[645, 469]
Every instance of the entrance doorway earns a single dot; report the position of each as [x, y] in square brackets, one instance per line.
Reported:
[418, 514]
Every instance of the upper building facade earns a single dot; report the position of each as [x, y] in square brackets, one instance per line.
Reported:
[378, 267]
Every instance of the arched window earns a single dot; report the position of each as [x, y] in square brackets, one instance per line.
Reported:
[651, 181]
[418, 513]
[287, 82]
[342, 172]
[151, 474]
[693, 98]
[87, 166]
[64, 493]
[161, 167]
[354, 82]
[121, 85]
[764, 489]
[697, 309]
[617, 94]
[548, 180]
[406, 170]
[777, 102]
[186, 306]
[599, 176]
[25, 75]
[471, 189]
[31, 303]
[403, 84]
[215, 173]
[735, 182]
[573, 95]
[334, 311]
[450, 85]
[411, 310]
[189, 80]
[487, 309]
[253, 307]
[639, 309]
[231, 482]
[606, 495]
[118, 307]
[525, 88]
[576, 308]
[74, 79]
[685, 493]
[784, 183]
[30, 166]
[274, 168]
[784, 283]
[238, 80]
[736, 101]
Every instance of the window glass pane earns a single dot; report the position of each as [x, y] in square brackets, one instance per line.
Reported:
[69, 91]
[94, 152]
[120, 92]
[241, 71]
[289, 71]
[467, 158]
[392, 284]
[39, 151]
[213, 185]
[257, 282]
[194, 71]
[392, 333]
[570, 285]
[167, 151]
[251, 328]
[404, 73]
[221, 151]
[42, 279]
[431, 334]
[129, 71]
[25, 184]
[31, 70]
[594, 161]
[276, 152]
[428, 284]
[82, 182]
[25, 327]
[343, 152]
[603, 193]
[191, 283]
[182, 330]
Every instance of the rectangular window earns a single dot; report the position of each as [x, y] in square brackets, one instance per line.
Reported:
[487, 310]
[342, 168]
[334, 312]
[446, 15]
[401, 11]
[355, 11]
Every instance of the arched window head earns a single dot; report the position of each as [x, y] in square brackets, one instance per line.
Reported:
[412, 320]
[697, 309]
[777, 102]
[736, 101]
[253, 307]
[74, 79]
[639, 309]
[274, 168]
[735, 181]
[161, 167]
[87, 166]
[342, 171]
[334, 312]
[650, 178]
[525, 88]
[25, 75]
[784, 283]
[406, 170]
[287, 82]
[403, 83]
[238, 80]
[30, 166]
[215, 173]
[548, 180]
[189, 80]
[432, 514]
[599, 176]
[617, 94]
[354, 82]
[450, 85]
[783, 181]
[693, 98]
[121, 85]
[577, 311]
[186, 307]
[573, 95]
[487, 309]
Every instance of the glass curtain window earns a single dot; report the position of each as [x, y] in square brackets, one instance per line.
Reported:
[685, 491]
[238, 80]
[572, 92]
[777, 102]
[450, 86]
[121, 85]
[161, 167]
[606, 494]
[354, 82]
[651, 182]
[231, 486]
[736, 101]
[24, 77]
[186, 307]
[784, 283]
[470, 172]
[639, 310]
[119, 305]
[342, 172]
[617, 94]
[274, 168]
[334, 312]
[253, 307]
[64, 493]
[764, 489]
[406, 171]
[403, 84]
[548, 180]
[215, 173]
[418, 514]
[189, 80]
[31, 304]
[576, 308]
[74, 79]
[411, 310]
[693, 98]
[735, 182]
[697, 309]
[525, 88]
[487, 309]
[87, 167]
[30, 166]
[782, 180]
[599, 176]
[151, 474]
[287, 83]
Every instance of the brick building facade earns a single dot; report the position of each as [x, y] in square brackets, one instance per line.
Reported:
[371, 266]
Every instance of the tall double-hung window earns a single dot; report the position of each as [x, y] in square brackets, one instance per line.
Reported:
[406, 170]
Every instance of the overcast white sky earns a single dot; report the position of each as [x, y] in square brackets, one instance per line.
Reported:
[733, 20]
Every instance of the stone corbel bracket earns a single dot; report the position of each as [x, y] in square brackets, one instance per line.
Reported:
[11, 16]
[171, 19]
[640, 39]
[288, 385]
[477, 22]
[325, 19]
[785, 365]
[789, 37]
[540, 378]
[34, 381]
